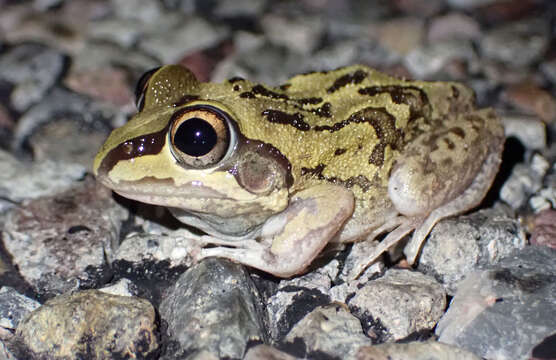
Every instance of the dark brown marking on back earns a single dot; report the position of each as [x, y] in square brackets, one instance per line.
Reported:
[247, 95]
[261, 90]
[412, 96]
[280, 117]
[355, 77]
[449, 143]
[359, 180]
[458, 132]
[377, 155]
[455, 92]
[339, 151]
[311, 100]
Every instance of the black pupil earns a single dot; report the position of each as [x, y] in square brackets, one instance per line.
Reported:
[195, 137]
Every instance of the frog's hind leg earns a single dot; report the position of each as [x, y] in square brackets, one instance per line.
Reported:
[443, 173]
[470, 198]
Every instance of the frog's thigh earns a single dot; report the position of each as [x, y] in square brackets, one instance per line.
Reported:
[296, 235]
[442, 174]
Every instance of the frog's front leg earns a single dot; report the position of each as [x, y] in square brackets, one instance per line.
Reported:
[294, 237]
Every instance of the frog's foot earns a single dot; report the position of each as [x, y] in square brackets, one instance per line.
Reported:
[291, 239]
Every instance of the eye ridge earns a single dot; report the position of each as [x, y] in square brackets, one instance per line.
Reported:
[200, 136]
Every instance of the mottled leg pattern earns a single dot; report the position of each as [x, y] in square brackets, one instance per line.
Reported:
[469, 199]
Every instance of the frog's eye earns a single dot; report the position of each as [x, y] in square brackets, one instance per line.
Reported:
[200, 136]
[141, 88]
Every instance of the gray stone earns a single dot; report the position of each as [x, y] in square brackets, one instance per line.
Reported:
[123, 287]
[526, 179]
[518, 44]
[60, 239]
[429, 350]
[297, 296]
[124, 32]
[214, 306]
[549, 70]
[228, 9]
[505, 310]
[453, 26]
[91, 324]
[145, 11]
[13, 307]
[529, 130]
[356, 261]
[60, 102]
[457, 246]
[176, 248]
[171, 45]
[33, 69]
[331, 329]
[22, 181]
[402, 301]
[425, 61]
[470, 4]
[266, 352]
[55, 141]
[299, 35]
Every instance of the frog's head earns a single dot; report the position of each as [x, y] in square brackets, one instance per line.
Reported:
[185, 152]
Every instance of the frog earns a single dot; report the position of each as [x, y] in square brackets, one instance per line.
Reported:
[271, 175]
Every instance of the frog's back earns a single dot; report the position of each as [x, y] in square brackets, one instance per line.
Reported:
[345, 126]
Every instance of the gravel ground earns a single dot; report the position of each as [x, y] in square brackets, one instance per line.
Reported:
[87, 274]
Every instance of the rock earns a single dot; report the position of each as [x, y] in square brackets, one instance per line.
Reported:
[22, 181]
[401, 35]
[144, 11]
[505, 310]
[453, 26]
[429, 350]
[529, 130]
[544, 232]
[239, 8]
[457, 246]
[55, 141]
[91, 324]
[518, 44]
[524, 181]
[401, 302]
[470, 4]
[266, 352]
[424, 61]
[123, 287]
[61, 103]
[33, 69]
[214, 307]
[549, 70]
[108, 84]
[531, 99]
[169, 45]
[176, 248]
[296, 297]
[124, 32]
[13, 307]
[62, 238]
[331, 330]
[301, 35]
